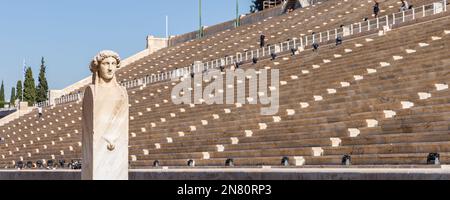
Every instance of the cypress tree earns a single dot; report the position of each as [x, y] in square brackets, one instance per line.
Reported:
[2, 96]
[13, 97]
[29, 88]
[42, 88]
[19, 90]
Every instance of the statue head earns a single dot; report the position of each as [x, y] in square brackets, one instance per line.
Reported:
[104, 66]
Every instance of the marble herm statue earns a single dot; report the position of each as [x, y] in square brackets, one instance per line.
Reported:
[105, 122]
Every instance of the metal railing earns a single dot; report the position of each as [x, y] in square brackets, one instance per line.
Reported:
[43, 104]
[272, 3]
[294, 43]
[69, 98]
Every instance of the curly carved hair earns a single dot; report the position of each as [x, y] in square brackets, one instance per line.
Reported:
[100, 57]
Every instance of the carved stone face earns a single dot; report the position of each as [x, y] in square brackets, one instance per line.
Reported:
[108, 68]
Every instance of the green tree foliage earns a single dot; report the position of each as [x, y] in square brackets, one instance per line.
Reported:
[257, 5]
[19, 90]
[29, 88]
[2, 96]
[42, 88]
[13, 97]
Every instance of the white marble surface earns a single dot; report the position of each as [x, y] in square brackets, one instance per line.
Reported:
[105, 122]
[108, 125]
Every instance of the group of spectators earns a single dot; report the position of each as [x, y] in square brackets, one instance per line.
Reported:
[403, 7]
[376, 10]
[51, 164]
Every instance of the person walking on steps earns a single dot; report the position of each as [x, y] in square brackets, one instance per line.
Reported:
[376, 8]
[404, 6]
[262, 40]
[40, 111]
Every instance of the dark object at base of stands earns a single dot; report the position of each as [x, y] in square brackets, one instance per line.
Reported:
[156, 163]
[62, 163]
[221, 68]
[273, 55]
[75, 164]
[338, 40]
[410, 7]
[29, 164]
[255, 60]
[293, 50]
[433, 159]
[192, 74]
[236, 65]
[19, 165]
[39, 164]
[285, 161]
[229, 162]
[346, 160]
[315, 46]
[50, 163]
[191, 163]
[365, 19]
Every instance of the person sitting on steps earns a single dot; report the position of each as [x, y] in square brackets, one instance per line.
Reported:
[315, 46]
[404, 6]
[338, 40]
[339, 37]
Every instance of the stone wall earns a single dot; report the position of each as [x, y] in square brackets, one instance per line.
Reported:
[6, 113]
[154, 44]
[23, 110]
[249, 174]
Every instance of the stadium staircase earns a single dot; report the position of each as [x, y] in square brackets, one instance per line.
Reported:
[381, 98]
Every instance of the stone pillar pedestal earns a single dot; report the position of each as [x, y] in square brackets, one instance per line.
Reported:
[105, 122]
[105, 134]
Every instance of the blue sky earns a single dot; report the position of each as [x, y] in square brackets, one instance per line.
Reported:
[68, 33]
